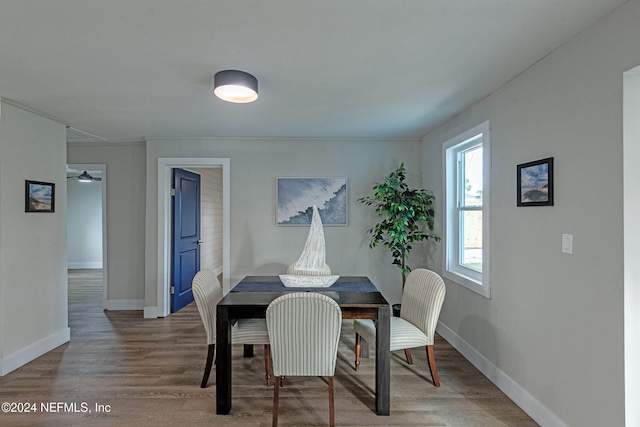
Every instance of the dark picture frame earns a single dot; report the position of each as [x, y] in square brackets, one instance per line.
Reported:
[39, 196]
[535, 183]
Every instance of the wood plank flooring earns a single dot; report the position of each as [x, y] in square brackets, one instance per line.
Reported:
[147, 372]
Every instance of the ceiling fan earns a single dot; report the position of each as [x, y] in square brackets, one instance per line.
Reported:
[85, 177]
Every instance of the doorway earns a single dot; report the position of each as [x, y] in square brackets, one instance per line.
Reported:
[185, 235]
[165, 166]
[87, 222]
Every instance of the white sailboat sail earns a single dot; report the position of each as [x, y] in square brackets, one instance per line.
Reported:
[311, 270]
[313, 255]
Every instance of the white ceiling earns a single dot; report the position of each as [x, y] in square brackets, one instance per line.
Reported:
[130, 69]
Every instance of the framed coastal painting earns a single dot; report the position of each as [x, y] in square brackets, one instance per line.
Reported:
[39, 196]
[535, 183]
[295, 198]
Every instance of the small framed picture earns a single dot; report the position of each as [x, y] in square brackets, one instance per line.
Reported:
[535, 183]
[39, 196]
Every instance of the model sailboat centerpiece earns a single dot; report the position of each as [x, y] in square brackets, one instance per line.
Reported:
[311, 270]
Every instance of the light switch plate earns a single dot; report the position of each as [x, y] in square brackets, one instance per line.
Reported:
[567, 243]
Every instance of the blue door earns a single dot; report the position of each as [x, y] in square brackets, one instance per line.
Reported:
[185, 259]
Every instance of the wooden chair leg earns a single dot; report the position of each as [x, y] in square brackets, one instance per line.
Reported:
[267, 363]
[432, 366]
[276, 392]
[331, 405]
[358, 348]
[407, 353]
[207, 367]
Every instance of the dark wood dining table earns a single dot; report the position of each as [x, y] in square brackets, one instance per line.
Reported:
[357, 297]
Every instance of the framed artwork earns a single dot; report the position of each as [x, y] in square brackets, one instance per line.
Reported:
[535, 183]
[295, 198]
[39, 196]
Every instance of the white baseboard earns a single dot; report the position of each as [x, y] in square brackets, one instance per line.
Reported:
[23, 356]
[151, 312]
[536, 410]
[125, 304]
[84, 265]
[218, 271]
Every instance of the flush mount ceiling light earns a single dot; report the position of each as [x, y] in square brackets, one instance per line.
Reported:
[235, 86]
[85, 177]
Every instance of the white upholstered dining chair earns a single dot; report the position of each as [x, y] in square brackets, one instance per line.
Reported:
[207, 292]
[422, 300]
[304, 331]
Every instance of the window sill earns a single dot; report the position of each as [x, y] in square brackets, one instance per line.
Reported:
[471, 284]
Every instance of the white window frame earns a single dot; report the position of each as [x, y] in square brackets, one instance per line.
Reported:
[452, 270]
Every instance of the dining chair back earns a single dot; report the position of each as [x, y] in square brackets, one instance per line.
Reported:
[422, 300]
[207, 293]
[304, 332]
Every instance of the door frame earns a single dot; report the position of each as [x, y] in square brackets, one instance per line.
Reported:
[631, 231]
[105, 263]
[165, 164]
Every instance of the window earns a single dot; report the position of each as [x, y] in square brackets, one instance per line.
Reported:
[466, 160]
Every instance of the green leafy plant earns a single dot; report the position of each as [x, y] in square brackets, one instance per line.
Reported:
[407, 217]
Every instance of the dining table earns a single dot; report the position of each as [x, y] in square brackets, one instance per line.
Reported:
[357, 297]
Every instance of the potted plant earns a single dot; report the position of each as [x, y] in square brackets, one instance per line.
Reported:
[407, 217]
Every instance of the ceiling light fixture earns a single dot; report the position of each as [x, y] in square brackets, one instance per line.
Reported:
[85, 177]
[235, 86]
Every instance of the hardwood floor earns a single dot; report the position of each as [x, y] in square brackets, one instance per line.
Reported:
[147, 372]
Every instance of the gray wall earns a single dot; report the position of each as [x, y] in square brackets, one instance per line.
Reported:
[125, 186]
[553, 328]
[257, 245]
[33, 273]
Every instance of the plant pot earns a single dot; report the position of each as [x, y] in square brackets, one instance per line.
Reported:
[395, 308]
